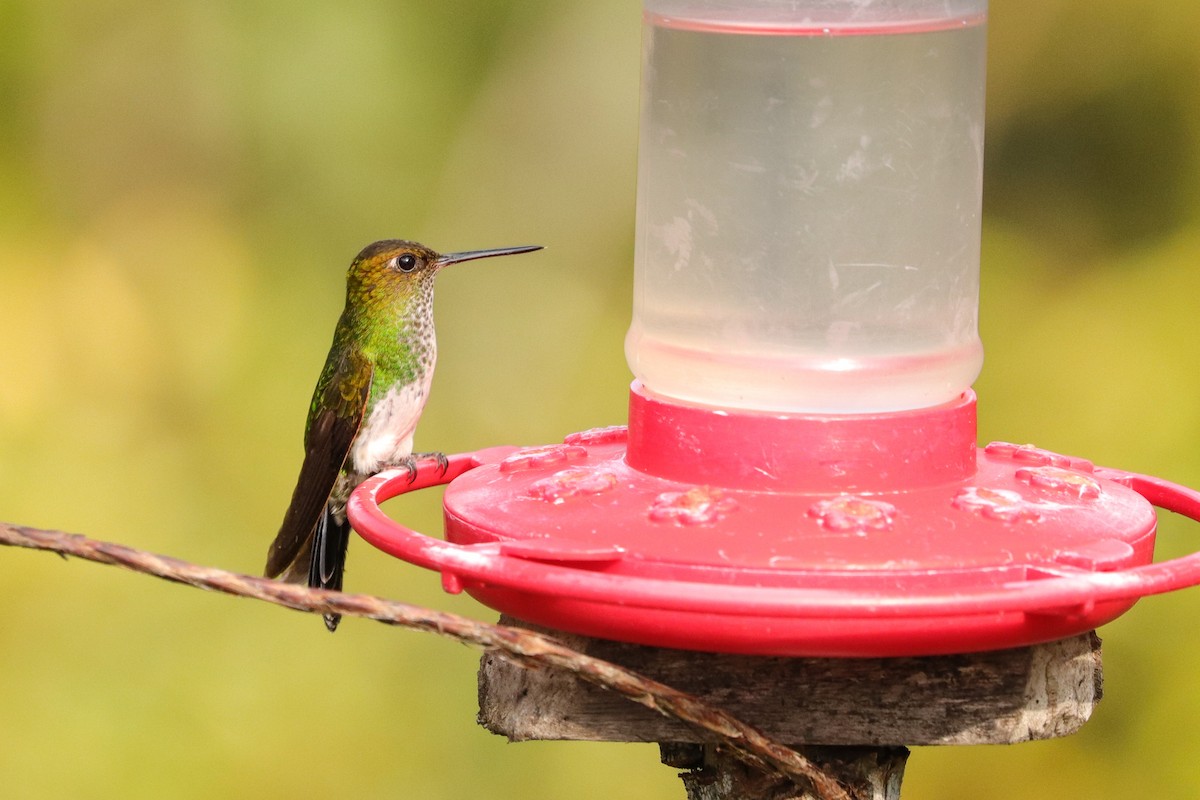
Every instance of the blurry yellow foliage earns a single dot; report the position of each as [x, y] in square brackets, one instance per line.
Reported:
[181, 188]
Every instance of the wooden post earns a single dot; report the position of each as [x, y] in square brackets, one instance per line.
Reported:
[854, 717]
[868, 773]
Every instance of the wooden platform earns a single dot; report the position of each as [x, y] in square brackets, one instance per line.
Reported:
[855, 715]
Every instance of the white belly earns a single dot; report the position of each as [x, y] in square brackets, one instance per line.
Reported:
[386, 436]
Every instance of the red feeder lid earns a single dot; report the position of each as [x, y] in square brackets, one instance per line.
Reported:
[778, 534]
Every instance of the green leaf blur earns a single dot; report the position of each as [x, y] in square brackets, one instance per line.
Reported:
[181, 188]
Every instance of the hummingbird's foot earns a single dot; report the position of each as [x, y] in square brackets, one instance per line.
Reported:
[410, 463]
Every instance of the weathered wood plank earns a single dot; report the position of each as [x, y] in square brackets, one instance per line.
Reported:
[1001, 697]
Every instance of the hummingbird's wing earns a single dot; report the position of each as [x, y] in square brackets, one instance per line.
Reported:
[339, 405]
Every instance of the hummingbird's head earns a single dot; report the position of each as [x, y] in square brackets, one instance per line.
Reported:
[397, 270]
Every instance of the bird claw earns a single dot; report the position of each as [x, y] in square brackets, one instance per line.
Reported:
[410, 463]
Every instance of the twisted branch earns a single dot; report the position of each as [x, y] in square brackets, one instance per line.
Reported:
[523, 647]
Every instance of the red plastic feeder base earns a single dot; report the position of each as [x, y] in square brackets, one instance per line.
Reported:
[777, 534]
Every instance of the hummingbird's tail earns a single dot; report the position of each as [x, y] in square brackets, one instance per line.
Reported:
[328, 560]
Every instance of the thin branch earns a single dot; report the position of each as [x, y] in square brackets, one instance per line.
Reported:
[523, 647]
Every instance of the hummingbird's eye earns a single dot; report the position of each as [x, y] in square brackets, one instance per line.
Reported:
[405, 263]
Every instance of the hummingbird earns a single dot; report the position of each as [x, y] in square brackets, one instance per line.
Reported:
[366, 405]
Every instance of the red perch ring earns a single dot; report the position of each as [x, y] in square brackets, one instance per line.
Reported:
[778, 534]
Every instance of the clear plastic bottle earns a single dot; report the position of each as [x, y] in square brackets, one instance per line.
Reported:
[808, 215]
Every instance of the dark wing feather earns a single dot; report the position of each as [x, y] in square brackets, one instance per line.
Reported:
[339, 405]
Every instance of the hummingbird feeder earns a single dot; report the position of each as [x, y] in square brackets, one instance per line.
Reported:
[799, 473]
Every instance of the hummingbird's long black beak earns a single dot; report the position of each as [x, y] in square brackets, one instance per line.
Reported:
[471, 255]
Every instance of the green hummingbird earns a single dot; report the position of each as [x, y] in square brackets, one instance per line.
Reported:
[365, 408]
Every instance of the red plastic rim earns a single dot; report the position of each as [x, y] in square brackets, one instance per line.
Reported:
[574, 588]
[802, 535]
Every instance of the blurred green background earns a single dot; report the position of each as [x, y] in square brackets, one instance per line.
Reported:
[181, 188]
